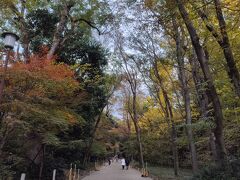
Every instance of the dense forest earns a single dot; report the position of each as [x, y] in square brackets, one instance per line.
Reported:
[154, 80]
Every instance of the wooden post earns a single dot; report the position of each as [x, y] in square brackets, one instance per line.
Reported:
[54, 174]
[74, 173]
[23, 175]
[70, 173]
[146, 170]
[78, 174]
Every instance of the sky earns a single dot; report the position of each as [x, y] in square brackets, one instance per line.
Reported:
[121, 11]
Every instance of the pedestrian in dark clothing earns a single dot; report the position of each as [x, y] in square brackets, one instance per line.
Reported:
[127, 163]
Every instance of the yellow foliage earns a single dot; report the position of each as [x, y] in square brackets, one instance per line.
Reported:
[150, 3]
[153, 122]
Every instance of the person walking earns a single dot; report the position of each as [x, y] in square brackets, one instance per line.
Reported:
[109, 161]
[127, 163]
[123, 163]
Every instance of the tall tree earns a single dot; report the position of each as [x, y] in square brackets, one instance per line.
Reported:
[218, 115]
[150, 66]
[185, 92]
[222, 39]
[132, 79]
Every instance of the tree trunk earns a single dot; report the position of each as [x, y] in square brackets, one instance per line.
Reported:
[128, 125]
[58, 35]
[25, 44]
[169, 118]
[127, 94]
[25, 33]
[233, 72]
[138, 131]
[202, 97]
[42, 162]
[186, 96]
[218, 130]
[213, 146]
[137, 128]
[132, 80]
[88, 149]
[173, 134]
[87, 152]
[223, 41]
[203, 102]
[174, 147]
[2, 85]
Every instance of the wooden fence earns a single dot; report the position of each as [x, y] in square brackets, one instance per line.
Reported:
[73, 173]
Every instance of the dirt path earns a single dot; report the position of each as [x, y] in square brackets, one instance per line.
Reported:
[114, 172]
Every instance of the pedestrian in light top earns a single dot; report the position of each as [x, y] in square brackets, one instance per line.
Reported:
[123, 163]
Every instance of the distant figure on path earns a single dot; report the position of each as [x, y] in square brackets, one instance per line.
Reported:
[123, 163]
[109, 161]
[127, 163]
[116, 158]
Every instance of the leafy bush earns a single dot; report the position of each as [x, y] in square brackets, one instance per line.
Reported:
[232, 172]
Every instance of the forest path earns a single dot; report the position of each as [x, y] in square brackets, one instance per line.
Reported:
[114, 172]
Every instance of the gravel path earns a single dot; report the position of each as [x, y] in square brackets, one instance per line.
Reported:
[114, 172]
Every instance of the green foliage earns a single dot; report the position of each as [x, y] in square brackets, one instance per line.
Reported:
[216, 173]
[167, 173]
[50, 105]
[98, 150]
[39, 34]
[36, 115]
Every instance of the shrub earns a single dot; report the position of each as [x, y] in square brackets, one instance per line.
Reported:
[232, 172]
